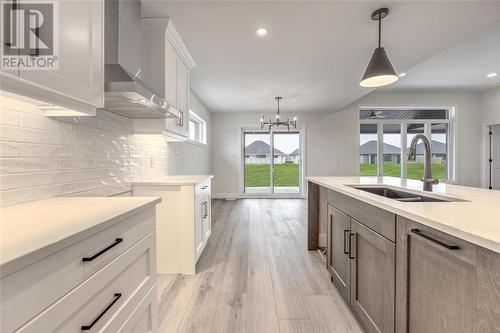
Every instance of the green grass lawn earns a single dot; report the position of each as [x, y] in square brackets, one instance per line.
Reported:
[415, 170]
[257, 175]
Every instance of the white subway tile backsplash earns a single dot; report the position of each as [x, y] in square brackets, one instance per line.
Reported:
[12, 165]
[8, 117]
[24, 194]
[79, 156]
[78, 163]
[18, 134]
[45, 178]
[8, 182]
[10, 149]
[34, 150]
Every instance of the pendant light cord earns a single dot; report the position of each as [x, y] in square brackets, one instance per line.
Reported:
[379, 29]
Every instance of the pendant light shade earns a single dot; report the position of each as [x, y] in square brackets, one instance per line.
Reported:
[379, 71]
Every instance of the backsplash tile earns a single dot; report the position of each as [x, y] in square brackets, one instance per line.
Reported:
[42, 157]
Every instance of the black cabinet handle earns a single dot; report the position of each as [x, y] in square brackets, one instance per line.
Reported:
[204, 187]
[345, 242]
[434, 240]
[350, 257]
[115, 243]
[115, 299]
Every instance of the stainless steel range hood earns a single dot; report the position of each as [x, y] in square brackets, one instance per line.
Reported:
[125, 92]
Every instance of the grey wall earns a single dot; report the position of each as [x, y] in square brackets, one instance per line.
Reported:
[190, 158]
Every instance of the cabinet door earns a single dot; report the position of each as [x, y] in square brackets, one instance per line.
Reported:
[170, 74]
[438, 282]
[207, 221]
[80, 75]
[372, 278]
[198, 227]
[182, 95]
[337, 253]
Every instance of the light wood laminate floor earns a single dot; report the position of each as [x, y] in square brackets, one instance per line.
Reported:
[255, 275]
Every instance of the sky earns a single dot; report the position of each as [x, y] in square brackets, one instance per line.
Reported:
[286, 142]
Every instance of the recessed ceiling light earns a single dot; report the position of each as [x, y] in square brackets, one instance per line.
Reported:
[492, 75]
[262, 31]
[402, 74]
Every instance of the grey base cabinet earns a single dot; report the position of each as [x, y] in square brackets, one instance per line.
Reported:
[338, 262]
[444, 285]
[362, 265]
[373, 260]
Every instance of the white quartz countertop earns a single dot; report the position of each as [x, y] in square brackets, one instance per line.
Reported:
[48, 225]
[476, 220]
[174, 180]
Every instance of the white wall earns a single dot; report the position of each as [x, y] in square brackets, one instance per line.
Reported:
[188, 158]
[332, 139]
[490, 115]
[490, 106]
[226, 147]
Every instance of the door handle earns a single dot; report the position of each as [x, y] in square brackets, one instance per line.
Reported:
[89, 327]
[350, 242]
[109, 247]
[434, 240]
[345, 242]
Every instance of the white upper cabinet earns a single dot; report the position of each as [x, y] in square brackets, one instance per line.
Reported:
[166, 66]
[78, 82]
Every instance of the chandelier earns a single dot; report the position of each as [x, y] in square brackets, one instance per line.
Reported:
[289, 121]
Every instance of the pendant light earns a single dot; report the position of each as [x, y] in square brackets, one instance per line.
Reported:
[379, 71]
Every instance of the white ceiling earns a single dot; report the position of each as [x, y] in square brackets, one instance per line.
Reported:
[315, 52]
[461, 66]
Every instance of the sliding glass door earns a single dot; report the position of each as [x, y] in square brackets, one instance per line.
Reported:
[272, 163]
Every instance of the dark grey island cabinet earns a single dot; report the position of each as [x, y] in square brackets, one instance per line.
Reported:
[397, 275]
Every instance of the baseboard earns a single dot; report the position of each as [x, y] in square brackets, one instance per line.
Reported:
[226, 196]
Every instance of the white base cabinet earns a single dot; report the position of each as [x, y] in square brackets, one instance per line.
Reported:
[183, 223]
[104, 283]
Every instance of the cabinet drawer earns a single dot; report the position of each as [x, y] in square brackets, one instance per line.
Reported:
[105, 297]
[39, 285]
[143, 319]
[202, 189]
[375, 218]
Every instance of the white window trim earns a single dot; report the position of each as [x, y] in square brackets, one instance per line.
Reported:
[203, 129]
[451, 137]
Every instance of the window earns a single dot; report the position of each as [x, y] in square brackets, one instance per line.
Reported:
[386, 134]
[197, 128]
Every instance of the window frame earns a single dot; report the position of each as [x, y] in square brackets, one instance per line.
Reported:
[200, 125]
[450, 137]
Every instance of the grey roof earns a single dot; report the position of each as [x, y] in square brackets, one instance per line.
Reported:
[296, 152]
[370, 147]
[261, 148]
[437, 148]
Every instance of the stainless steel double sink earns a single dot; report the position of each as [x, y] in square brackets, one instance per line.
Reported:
[403, 196]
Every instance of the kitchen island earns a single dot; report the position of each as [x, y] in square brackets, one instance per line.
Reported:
[408, 265]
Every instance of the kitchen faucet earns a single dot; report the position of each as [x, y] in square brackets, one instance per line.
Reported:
[412, 156]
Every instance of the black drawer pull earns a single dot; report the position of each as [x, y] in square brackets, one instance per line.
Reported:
[350, 257]
[89, 327]
[115, 243]
[437, 241]
[345, 241]
[204, 187]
